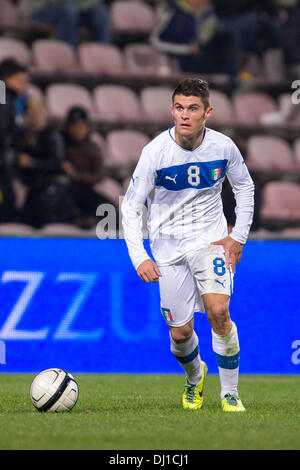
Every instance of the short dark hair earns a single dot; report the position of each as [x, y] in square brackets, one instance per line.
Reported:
[193, 87]
[10, 67]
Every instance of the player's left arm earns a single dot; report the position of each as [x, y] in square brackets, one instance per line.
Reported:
[243, 189]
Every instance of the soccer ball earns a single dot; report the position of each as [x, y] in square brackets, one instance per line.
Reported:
[54, 390]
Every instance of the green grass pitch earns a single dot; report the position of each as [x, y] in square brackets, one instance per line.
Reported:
[144, 412]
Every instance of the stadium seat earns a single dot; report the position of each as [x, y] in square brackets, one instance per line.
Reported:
[13, 14]
[110, 188]
[267, 153]
[223, 110]
[12, 228]
[101, 59]
[293, 232]
[296, 148]
[61, 229]
[141, 60]
[15, 49]
[156, 104]
[54, 56]
[281, 201]
[117, 103]
[285, 104]
[124, 147]
[131, 17]
[60, 97]
[249, 107]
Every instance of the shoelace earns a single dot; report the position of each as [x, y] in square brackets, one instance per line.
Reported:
[232, 399]
[190, 392]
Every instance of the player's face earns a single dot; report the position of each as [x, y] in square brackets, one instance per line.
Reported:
[189, 115]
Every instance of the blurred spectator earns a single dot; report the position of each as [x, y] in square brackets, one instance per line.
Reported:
[291, 33]
[83, 163]
[210, 36]
[94, 15]
[16, 79]
[189, 31]
[39, 161]
[254, 27]
[68, 15]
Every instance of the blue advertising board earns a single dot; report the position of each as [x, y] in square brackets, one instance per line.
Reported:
[78, 304]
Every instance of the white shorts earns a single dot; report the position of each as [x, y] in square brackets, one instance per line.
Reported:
[182, 284]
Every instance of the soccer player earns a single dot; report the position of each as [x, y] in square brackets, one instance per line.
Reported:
[179, 177]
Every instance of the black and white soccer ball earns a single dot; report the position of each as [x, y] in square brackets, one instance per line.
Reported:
[54, 390]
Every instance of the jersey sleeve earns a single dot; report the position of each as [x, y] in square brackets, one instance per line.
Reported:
[243, 189]
[134, 207]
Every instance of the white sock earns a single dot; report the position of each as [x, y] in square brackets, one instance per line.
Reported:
[227, 352]
[187, 354]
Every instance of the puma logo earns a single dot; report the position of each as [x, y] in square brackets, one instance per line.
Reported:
[172, 179]
[219, 282]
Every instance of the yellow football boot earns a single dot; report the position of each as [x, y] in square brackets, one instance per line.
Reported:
[192, 398]
[232, 403]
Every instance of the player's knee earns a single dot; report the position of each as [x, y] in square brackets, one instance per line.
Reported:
[218, 316]
[181, 334]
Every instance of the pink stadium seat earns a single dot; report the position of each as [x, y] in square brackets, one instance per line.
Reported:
[15, 49]
[117, 103]
[54, 56]
[141, 59]
[297, 151]
[124, 147]
[11, 228]
[281, 201]
[292, 232]
[61, 229]
[156, 104]
[269, 153]
[13, 14]
[249, 107]
[110, 188]
[101, 59]
[60, 97]
[285, 104]
[131, 17]
[223, 109]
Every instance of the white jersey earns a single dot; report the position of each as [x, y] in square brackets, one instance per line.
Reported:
[182, 191]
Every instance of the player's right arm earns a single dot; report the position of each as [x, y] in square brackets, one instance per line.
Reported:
[148, 271]
[133, 211]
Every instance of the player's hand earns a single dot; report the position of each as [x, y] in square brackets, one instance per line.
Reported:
[233, 251]
[148, 271]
